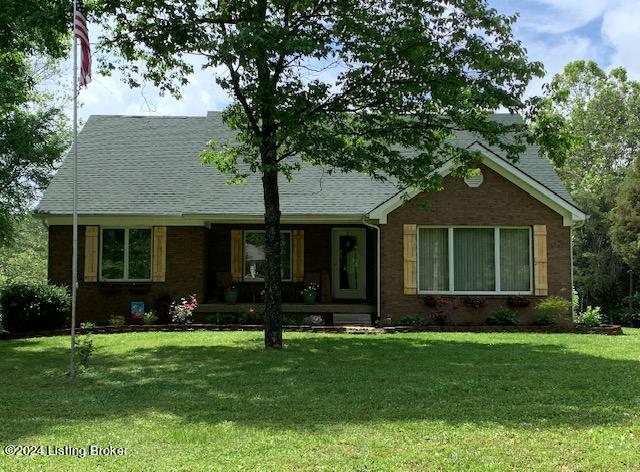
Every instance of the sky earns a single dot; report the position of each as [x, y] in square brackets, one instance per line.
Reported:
[553, 31]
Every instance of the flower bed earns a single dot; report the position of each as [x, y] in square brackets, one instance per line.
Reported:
[612, 330]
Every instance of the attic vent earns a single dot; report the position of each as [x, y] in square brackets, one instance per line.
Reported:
[475, 180]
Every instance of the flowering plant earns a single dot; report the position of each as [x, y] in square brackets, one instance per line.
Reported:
[314, 320]
[182, 312]
[444, 307]
[137, 317]
[311, 289]
[150, 318]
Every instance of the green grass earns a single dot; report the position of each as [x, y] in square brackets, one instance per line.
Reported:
[217, 401]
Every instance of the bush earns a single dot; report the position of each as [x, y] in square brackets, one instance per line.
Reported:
[502, 317]
[222, 318]
[624, 317]
[84, 347]
[149, 318]
[545, 320]
[116, 320]
[409, 320]
[313, 320]
[551, 309]
[591, 317]
[34, 307]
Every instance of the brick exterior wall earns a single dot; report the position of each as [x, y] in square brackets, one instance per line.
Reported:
[185, 274]
[497, 202]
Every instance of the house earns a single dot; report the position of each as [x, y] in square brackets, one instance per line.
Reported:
[156, 225]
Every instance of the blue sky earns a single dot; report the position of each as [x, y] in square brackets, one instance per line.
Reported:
[553, 31]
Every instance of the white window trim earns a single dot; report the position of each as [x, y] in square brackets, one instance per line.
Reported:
[244, 254]
[496, 233]
[126, 253]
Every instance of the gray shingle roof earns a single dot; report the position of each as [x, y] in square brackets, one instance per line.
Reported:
[150, 166]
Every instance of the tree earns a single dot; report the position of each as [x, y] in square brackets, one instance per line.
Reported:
[340, 84]
[26, 259]
[625, 223]
[33, 35]
[603, 127]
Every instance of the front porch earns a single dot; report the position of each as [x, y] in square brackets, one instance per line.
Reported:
[339, 260]
[316, 308]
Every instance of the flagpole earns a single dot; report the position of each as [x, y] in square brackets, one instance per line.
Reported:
[74, 257]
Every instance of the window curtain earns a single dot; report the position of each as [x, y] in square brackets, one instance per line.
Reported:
[474, 259]
[433, 259]
[515, 271]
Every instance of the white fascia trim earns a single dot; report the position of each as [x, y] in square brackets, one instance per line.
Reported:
[569, 213]
[192, 220]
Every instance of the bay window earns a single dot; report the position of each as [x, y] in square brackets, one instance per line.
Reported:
[125, 254]
[470, 260]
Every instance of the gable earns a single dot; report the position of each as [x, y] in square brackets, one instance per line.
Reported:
[504, 179]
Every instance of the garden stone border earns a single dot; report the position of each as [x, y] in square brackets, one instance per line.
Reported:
[611, 330]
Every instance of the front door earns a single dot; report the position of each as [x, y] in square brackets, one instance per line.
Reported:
[349, 263]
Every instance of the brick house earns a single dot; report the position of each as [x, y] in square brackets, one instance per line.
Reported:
[155, 225]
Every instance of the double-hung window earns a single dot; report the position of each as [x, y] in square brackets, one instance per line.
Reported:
[470, 260]
[125, 254]
[255, 256]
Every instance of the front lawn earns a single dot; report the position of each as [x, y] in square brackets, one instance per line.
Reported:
[217, 401]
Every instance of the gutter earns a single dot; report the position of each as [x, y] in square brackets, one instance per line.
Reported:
[378, 263]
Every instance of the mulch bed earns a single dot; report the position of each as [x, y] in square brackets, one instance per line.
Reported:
[612, 330]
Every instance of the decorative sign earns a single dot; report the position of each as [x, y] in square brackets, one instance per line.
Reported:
[137, 308]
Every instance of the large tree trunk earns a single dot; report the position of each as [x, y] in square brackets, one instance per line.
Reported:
[273, 278]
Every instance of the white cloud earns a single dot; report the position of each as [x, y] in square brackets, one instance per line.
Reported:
[556, 52]
[562, 16]
[109, 95]
[621, 29]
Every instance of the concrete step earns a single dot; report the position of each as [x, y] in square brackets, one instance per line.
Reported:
[352, 319]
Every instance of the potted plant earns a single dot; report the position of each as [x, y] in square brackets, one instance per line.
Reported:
[231, 294]
[310, 293]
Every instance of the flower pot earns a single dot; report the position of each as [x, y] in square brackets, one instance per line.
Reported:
[310, 298]
[230, 296]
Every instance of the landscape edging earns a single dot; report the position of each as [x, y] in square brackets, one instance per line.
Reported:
[611, 330]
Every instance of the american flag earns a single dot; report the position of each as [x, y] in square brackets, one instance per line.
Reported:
[81, 32]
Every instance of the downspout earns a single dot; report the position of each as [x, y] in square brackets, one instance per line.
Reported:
[378, 262]
[573, 226]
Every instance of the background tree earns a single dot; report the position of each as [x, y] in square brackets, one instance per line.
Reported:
[33, 35]
[26, 259]
[602, 120]
[625, 227]
[342, 84]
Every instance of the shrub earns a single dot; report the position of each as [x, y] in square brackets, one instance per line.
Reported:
[439, 317]
[409, 320]
[591, 317]
[222, 318]
[34, 306]
[313, 320]
[150, 318]
[116, 320]
[554, 307]
[545, 320]
[502, 317]
[84, 351]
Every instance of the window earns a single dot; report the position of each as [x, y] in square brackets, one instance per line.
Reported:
[474, 260]
[255, 257]
[125, 254]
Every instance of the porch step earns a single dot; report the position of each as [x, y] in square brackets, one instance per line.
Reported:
[352, 319]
